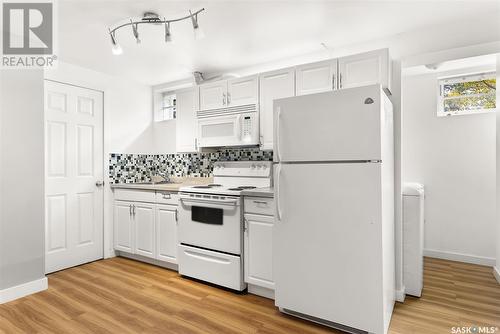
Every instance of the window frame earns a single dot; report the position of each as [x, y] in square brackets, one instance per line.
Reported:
[159, 106]
[459, 79]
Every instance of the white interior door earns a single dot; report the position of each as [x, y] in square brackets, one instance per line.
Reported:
[74, 174]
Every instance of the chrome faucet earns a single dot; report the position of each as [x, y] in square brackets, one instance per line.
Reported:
[164, 176]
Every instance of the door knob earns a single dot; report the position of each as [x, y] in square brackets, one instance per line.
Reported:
[99, 183]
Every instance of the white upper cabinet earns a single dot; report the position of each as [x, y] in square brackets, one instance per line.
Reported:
[213, 95]
[316, 77]
[187, 126]
[241, 91]
[365, 69]
[273, 85]
[229, 93]
[144, 219]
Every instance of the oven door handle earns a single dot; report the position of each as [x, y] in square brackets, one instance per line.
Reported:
[209, 200]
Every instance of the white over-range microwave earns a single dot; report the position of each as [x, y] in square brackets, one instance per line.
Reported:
[228, 127]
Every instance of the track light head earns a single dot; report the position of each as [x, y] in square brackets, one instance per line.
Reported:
[116, 49]
[168, 35]
[198, 33]
[135, 31]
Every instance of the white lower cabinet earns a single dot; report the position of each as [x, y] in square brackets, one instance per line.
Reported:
[123, 226]
[145, 228]
[166, 233]
[144, 220]
[258, 250]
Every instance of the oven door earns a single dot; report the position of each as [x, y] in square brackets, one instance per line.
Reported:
[240, 129]
[210, 221]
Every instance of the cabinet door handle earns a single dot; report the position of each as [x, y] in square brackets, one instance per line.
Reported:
[260, 202]
[228, 97]
[133, 209]
[130, 209]
[224, 99]
[340, 80]
[177, 216]
[245, 225]
[333, 81]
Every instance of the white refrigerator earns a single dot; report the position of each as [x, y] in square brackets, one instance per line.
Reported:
[333, 237]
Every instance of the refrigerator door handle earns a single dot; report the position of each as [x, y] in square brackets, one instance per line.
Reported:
[278, 206]
[278, 114]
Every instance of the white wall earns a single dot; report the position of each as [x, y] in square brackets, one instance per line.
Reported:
[455, 158]
[22, 241]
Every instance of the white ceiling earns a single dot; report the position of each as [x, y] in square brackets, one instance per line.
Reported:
[238, 33]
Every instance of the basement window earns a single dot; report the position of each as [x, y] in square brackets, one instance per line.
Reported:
[167, 107]
[467, 94]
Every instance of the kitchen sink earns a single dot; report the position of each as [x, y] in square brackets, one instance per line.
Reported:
[157, 183]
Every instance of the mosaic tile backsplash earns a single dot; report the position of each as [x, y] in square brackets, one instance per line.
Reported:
[130, 168]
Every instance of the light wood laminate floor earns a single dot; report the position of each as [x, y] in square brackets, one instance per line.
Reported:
[123, 296]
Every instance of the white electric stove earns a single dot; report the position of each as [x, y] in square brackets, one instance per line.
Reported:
[211, 223]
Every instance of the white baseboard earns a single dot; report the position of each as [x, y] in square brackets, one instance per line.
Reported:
[496, 272]
[400, 295]
[22, 290]
[481, 260]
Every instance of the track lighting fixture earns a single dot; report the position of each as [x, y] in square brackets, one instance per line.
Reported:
[152, 18]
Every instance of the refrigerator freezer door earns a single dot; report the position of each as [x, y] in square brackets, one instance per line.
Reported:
[327, 242]
[342, 125]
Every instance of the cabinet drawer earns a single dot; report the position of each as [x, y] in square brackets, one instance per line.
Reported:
[135, 195]
[259, 205]
[166, 197]
[214, 267]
